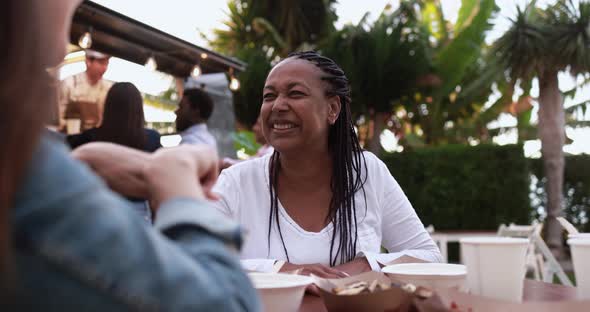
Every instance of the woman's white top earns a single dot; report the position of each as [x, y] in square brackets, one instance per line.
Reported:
[390, 221]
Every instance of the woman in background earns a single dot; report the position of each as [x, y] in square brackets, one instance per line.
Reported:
[122, 123]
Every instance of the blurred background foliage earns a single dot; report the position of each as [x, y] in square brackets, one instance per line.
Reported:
[432, 81]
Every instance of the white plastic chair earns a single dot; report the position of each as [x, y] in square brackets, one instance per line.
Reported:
[539, 258]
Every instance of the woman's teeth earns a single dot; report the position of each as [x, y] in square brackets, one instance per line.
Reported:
[283, 126]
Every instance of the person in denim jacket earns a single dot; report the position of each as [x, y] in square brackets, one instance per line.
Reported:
[67, 242]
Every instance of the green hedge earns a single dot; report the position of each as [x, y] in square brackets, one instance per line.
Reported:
[464, 187]
[576, 190]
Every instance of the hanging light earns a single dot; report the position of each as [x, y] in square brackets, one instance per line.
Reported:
[196, 72]
[85, 41]
[234, 83]
[151, 64]
[204, 55]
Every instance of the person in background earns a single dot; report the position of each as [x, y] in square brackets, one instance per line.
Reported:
[194, 109]
[123, 122]
[67, 243]
[264, 148]
[82, 95]
[318, 203]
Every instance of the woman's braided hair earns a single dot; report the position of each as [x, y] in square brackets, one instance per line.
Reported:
[347, 161]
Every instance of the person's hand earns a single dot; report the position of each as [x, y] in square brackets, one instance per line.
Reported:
[406, 259]
[183, 171]
[119, 166]
[316, 269]
[354, 267]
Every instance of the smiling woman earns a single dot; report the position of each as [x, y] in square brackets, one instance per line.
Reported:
[319, 202]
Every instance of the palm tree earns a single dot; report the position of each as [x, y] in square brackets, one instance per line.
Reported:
[411, 61]
[541, 43]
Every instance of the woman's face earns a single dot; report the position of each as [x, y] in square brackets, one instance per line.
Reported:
[296, 113]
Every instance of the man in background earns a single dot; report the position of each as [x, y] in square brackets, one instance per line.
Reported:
[192, 114]
[81, 99]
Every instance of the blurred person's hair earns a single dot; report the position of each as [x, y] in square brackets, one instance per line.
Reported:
[26, 95]
[123, 120]
[200, 100]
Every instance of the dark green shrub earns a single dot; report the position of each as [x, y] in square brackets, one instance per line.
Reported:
[576, 190]
[463, 187]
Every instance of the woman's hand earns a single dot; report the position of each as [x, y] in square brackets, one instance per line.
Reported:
[316, 269]
[120, 167]
[354, 267]
[183, 171]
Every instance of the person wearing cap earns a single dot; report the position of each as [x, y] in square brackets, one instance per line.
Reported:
[82, 96]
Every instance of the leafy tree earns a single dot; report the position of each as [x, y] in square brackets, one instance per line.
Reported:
[260, 32]
[414, 72]
[541, 43]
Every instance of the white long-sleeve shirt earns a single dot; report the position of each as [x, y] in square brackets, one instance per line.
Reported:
[390, 221]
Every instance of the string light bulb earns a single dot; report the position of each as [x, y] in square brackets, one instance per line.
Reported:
[85, 41]
[204, 55]
[196, 72]
[234, 83]
[151, 64]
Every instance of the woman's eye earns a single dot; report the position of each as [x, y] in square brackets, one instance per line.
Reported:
[268, 96]
[296, 94]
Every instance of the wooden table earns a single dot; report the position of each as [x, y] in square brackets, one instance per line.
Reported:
[533, 291]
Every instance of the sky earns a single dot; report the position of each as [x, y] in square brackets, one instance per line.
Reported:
[187, 19]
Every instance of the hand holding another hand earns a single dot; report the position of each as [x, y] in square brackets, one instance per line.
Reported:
[183, 171]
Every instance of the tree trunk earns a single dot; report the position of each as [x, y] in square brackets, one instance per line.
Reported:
[552, 135]
[374, 145]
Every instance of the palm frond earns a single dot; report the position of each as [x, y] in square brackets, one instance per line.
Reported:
[521, 49]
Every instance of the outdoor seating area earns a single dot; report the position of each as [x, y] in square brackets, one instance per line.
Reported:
[298, 156]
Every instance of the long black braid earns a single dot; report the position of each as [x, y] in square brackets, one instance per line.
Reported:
[347, 161]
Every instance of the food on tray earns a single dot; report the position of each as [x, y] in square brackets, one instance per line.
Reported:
[361, 287]
[365, 287]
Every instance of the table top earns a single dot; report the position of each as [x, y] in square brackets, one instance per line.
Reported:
[533, 291]
[456, 235]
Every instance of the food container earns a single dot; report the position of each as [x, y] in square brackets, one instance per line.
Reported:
[429, 275]
[280, 292]
[393, 299]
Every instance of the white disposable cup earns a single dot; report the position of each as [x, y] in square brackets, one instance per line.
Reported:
[73, 126]
[580, 248]
[495, 266]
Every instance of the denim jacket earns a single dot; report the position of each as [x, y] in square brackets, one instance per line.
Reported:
[78, 246]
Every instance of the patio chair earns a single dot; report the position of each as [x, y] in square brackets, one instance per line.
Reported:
[539, 258]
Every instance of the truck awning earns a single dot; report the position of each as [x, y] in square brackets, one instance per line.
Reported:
[123, 37]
